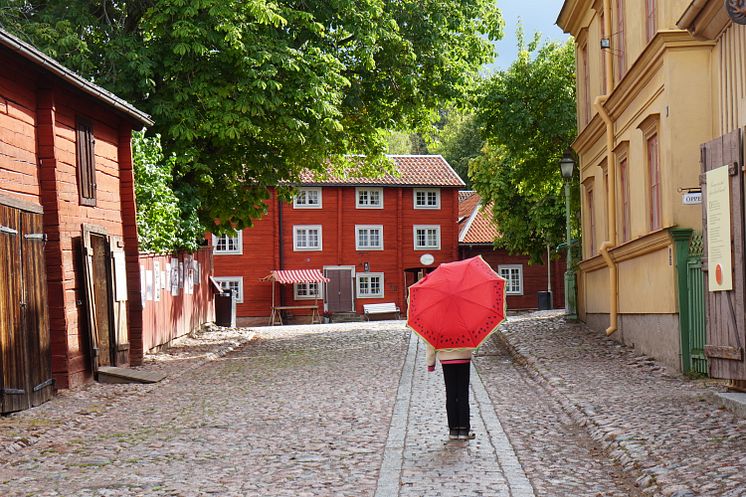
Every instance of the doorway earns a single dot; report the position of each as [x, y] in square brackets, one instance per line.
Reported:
[339, 289]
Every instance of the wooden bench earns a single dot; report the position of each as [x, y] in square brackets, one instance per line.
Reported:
[376, 309]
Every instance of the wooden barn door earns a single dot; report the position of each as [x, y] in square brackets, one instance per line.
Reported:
[98, 296]
[338, 293]
[726, 323]
[25, 357]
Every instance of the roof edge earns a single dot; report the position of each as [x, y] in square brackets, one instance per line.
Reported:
[36, 56]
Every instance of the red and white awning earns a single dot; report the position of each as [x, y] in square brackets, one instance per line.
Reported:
[296, 276]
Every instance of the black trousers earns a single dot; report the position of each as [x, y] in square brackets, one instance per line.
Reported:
[457, 395]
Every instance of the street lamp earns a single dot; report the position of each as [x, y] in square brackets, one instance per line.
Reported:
[567, 164]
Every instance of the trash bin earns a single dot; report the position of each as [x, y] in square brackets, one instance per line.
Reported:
[545, 301]
[225, 309]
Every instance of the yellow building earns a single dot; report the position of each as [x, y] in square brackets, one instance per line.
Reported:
[655, 80]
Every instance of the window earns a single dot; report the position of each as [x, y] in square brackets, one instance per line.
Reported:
[369, 237]
[306, 238]
[624, 190]
[305, 291]
[426, 198]
[370, 285]
[86, 161]
[654, 182]
[590, 221]
[427, 237]
[619, 49]
[369, 198]
[227, 244]
[513, 274]
[234, 283]
[307, 198]
[650, 24]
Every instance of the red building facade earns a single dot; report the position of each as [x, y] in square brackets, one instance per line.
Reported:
[65, 156]
[372, 237]
[477, 235]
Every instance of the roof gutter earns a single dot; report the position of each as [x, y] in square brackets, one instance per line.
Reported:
[34, 55]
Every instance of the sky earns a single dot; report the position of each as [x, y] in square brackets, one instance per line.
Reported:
[536, 15]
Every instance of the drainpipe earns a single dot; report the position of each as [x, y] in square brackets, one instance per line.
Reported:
[611, 210]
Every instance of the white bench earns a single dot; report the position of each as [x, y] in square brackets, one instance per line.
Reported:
[375, 309]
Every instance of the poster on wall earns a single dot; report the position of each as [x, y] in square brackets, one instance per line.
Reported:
[719, 277]
[120, 276]
[164, 279]
[196, 273]
[142, 284]
[157, 281]
[167, 281]
[174, 276]
[181, 274]
[189, 275]
[148, 284]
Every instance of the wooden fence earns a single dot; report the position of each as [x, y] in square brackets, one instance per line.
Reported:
[176, 295]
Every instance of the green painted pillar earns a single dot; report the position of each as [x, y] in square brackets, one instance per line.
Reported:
[681, 237]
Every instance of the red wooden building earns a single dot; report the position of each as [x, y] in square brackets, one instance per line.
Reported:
[477, 234]
[68, 238]
[372, 237]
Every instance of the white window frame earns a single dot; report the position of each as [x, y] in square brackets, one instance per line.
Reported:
[359, 190]
[509, 278]
[298, 296]
[239, 244]
[307, 227]
[369, 227]
[359, 277]
[238, 296]
[425, 191]
[305, 205]
[418, 227]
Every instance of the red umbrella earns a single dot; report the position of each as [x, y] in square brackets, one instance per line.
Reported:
[458, 305]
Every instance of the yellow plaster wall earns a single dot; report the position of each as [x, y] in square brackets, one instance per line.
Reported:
[647, 284]
[596, 286]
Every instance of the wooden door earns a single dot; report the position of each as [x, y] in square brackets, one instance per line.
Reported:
[25, 360]
[726, 323]
[119, 300]
[338, 293]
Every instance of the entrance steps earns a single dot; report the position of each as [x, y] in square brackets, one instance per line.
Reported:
[111, 374]
[346, 317]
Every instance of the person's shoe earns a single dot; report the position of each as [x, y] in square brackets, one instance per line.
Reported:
[453, 434]
[466, 435]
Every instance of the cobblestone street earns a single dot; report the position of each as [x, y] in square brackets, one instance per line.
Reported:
[349, 410]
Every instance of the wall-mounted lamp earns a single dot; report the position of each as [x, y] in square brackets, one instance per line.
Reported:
[605, 43]
[366, 267]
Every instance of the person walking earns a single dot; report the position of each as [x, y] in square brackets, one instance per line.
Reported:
[456, 367]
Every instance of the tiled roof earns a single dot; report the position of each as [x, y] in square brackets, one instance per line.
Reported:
[476, 226]
[467, 200]
[415, 170]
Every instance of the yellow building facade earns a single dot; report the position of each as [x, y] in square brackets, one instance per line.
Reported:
[655, 80]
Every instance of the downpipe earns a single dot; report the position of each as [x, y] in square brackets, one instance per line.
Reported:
[613, 293]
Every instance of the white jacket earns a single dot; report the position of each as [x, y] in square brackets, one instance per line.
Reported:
[447, 356]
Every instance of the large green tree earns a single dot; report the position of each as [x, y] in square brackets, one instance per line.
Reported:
[247, 93]
[527, 115]
[459, 140]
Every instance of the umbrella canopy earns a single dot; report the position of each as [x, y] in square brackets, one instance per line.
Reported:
[458, 305]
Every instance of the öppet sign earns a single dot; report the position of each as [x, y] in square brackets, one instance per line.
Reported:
[718, 230]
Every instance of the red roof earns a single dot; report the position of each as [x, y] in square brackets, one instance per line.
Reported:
[415, 170]
[296, 276]
[467, 201]
[476, 226]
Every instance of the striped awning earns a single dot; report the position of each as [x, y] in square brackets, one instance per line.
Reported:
[296, 276]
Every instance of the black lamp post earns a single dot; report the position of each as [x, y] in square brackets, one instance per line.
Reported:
[567, 164]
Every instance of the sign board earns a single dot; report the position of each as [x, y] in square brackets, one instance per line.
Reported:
[692, 198]
[718, 230]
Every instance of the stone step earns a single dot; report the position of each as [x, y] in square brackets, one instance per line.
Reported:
[111, 374]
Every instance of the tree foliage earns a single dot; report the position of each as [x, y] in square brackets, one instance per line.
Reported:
[247, 93]
[459, 140]
[527, 114]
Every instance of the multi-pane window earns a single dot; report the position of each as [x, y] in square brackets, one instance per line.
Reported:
[513, 274]
[426, 198]
[227, 244]
[369, 198]
[306, 291]
[233, 283]
[86, 161]
[654, 182]
[369, 285]
[650, 22]
[427, 237]
[591, 221]
[624, 190]
[307, 198]
[619, 48]
[307, 237]
[369, 237]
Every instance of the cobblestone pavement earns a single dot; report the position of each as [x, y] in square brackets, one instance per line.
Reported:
[349, 410]
[661, 427]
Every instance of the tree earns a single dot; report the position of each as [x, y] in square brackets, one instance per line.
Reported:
[527, 114]
[459, 141]
[246, 93]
